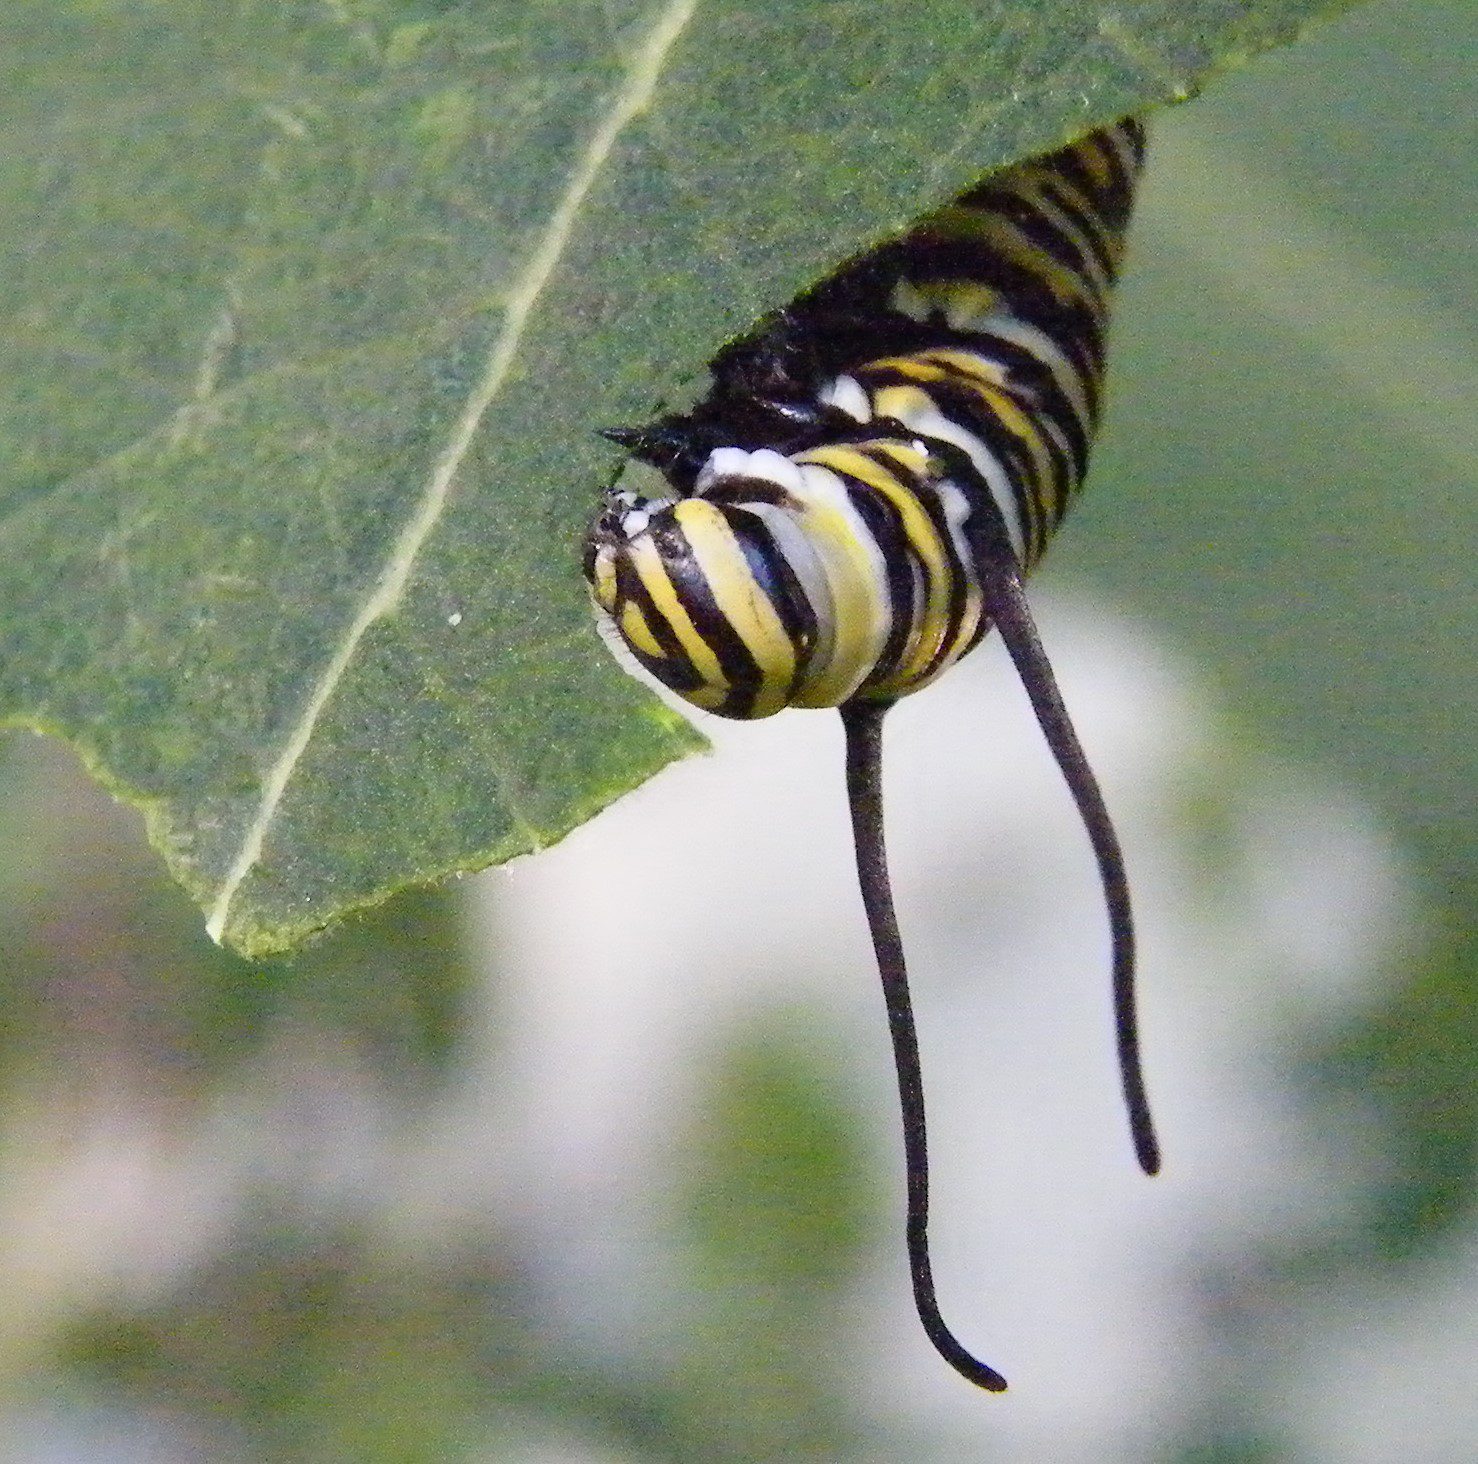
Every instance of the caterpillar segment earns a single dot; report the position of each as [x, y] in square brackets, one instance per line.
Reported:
[856, 502]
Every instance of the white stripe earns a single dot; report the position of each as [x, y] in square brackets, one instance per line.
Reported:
[764, 464]
[847, 395]
[825, 491]
[1005, 326]
[1118, 139]
[1077, 236]
[907, 300]
[933, 423]
[1038, 344]
[955, 503]
[799, 554]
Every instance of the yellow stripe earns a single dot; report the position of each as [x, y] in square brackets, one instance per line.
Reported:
[1065, 283]
[958, 298]
[1005, 408]
[603, 581]
[982, 366]
[910, 459]
[918, 528]
[1042, 487]
[968, 369]
[1068, 226]
[707, 698]
[647, 563]
[1081, 207]
[904, 403]
[740, 600]
[956, 222]
[963, 221]
[1051, 180]
[988, 385]
[915, 368]
[860, 605]
[912, 677]
[633, 625]
[1095, 163]
[968, 363]
[969, 624]
[960, 221]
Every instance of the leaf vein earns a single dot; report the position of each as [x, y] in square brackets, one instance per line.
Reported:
[631, 99]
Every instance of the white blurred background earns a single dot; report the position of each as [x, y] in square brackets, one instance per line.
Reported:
[596, 1158]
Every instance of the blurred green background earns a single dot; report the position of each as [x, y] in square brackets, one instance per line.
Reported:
[226, 1228]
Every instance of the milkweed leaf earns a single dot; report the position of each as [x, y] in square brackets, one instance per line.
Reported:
[311, 312]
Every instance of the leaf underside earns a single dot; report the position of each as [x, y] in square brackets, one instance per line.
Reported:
[309, 313]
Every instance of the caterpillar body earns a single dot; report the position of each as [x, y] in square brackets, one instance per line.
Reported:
[855, 504]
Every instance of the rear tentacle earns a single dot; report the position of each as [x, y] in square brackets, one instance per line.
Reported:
[1006, 605]
[863, 722]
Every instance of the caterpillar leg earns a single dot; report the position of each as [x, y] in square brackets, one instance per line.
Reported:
[863, 724]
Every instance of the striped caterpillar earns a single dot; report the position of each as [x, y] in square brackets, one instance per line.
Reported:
[857, 501]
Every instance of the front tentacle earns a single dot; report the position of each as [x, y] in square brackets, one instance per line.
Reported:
[863, 724]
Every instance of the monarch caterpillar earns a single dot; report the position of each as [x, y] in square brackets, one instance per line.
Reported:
[856, 502]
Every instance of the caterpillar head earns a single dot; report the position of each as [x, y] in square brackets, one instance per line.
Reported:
[694, 586]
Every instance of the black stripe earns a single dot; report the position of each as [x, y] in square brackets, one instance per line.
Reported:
[1035, 383]
[1041, 231]
[1093, 231]
[933, 256]
[958, 574]
[1131, 129]
[986, 524]
[694, 594]
[964, 407]
[780, 584]
[1078, 340]
[901, 568]
[1067, 463]
[674, 670]
[1113, 200]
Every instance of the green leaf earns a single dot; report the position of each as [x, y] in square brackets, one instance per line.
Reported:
[101, 948]
[310, 313]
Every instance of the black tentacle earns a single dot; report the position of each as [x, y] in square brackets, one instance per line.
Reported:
[863, 723]
[1006, 605]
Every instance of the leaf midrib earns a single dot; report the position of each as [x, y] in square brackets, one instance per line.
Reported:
[630, 100]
